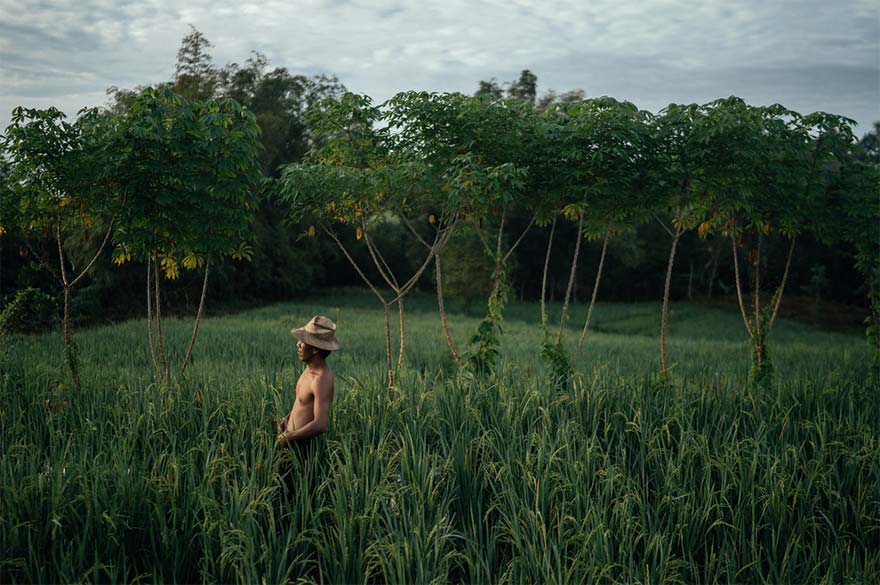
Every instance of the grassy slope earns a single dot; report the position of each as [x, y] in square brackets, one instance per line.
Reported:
[455, 478]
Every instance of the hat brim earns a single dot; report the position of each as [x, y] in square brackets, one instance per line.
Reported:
[300, 333]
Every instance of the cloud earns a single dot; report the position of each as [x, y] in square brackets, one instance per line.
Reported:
[807, 55]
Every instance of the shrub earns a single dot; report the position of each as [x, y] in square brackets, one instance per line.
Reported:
[31, 311]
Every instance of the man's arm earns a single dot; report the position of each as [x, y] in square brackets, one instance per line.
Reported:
[321, 405]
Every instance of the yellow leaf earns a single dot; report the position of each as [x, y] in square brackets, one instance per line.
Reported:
[63, 202]
[359, 233]
[703, 229]
[431, 219]
[766, 229]
[170, 268]
[191, 261]
[2, 230]
[311, 231]
[121, 258]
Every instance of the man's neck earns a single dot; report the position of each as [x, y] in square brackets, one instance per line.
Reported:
[316, 364]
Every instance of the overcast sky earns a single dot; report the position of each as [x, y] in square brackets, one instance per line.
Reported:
[807, 55]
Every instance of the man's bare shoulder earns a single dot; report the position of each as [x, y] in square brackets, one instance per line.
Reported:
[322, 381]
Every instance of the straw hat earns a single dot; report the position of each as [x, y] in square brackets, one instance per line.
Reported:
[319, 332]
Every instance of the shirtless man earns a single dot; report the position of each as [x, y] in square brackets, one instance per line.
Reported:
[314, 389]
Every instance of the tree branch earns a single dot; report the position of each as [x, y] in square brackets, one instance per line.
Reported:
[484, 241]
[544, 278]
[98, 253]
[781, 287]
[414, 232]
[742, 308]
[660, 221]
[595, 291]
[354, 264]
[374, 253]
[61, 255]
[439, 242]
[520, 239]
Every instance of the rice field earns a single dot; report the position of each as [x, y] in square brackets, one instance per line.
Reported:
[455, 479]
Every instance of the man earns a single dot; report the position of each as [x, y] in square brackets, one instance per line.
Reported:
[314, 389]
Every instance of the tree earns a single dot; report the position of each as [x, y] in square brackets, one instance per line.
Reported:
[525, 88]
[490, 89]
[869, 146]
[355, 177]
[472, 155]
[601, 148]
[279, 100]
[195, 76]
[704, 158]
[794, 162]
[856, 191]
[58, 186]
[188, 170]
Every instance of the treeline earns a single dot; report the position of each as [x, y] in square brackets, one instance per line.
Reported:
[278, 184]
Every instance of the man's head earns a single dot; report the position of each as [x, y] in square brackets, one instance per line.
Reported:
[306, 353]
[317, 337]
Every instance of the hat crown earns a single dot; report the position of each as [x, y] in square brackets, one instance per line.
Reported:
[318, 332]
[320, 325]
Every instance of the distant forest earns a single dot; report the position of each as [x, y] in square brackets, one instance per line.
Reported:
[286, 264]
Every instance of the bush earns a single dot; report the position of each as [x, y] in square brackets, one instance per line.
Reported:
[467, 269]
[31, 311]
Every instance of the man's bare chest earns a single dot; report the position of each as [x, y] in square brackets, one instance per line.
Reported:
[304, 393]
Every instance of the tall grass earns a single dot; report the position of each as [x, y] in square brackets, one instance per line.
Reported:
[509, 479]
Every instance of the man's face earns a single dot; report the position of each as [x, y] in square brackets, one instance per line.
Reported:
[305, 352]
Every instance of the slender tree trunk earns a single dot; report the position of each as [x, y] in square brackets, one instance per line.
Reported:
[199, 314]
[388, 350]
[150, 316]
[691, 282]
[402, 334]
[544, 278]
[571, 274]
[400, 289]
[739, 296]
[163, 358]
[68, 343]
[65, 321]
[389, 278]
[595, 291]
[716, 253]
[496, 286]
[759, 340]
[665, 313]
[443, 320]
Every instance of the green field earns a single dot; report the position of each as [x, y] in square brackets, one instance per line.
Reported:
[509, 479]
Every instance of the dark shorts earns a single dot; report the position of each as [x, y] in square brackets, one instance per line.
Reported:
[295, 459]
[303, 449]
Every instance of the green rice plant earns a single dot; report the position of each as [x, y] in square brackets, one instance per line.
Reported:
[461, 478]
